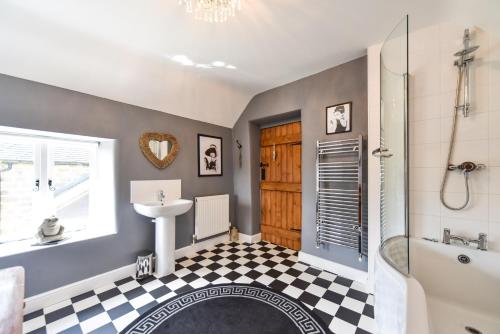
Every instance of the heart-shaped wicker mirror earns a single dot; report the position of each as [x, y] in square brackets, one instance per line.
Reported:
[159, 148]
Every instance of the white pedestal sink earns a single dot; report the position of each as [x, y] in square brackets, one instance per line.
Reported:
[164, 218]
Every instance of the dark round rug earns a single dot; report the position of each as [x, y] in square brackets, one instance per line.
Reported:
[228, 309]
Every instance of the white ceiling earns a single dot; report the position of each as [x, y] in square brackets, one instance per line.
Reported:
[122, 49]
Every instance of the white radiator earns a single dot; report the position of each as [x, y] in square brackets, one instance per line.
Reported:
[211, 216]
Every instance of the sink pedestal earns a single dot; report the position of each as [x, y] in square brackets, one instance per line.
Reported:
[165, 245]
[164, 213]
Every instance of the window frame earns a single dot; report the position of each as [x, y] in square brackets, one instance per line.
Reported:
[43, 169]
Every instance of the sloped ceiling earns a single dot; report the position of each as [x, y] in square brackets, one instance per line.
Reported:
[123, 49]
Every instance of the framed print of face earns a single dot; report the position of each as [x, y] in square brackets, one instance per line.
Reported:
[338, 118]
[209, 155]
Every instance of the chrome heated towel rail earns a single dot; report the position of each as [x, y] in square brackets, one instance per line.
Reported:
[339, 204]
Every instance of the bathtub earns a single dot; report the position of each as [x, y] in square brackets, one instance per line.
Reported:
[458, 295]
[400, 301]
[441, 295]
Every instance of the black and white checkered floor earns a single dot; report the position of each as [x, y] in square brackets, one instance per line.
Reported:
[342, 304]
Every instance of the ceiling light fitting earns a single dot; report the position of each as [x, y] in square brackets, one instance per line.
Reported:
[212, 10]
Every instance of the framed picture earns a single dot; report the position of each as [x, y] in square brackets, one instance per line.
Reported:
[338, 118]
[209, 155]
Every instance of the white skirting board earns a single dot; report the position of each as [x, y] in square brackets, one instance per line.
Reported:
[191, 249]
[333, 267]
[74, 289]
[250, 238]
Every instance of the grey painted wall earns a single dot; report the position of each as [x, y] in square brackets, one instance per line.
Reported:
[37, 106]
[347, 82]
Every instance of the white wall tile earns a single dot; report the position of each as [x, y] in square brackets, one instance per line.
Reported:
[494, 237]
[474, 150]
[478, 208]
[425, 203]
[411, 135]
[426, 155]
[427, 131]
[494, 59]
[425, 226]
[478, 182]
[421, 43]
[446, 124]
[494, 180]
[473, 127]
[494, 153]
[495, 208]
[477, 137]
[494, 126]
[495, 96]
[424, 65]
[448, 74]
[425, 76]
[426, 107]
[447, 104]
[425, 179]
[479, 98]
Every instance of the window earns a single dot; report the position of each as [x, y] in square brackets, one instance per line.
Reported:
[41, 176]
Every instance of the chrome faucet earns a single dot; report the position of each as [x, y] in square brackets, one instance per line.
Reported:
[448, 237]
[161, 195]
[481, 242]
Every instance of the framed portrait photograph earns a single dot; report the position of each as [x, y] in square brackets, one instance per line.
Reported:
[338, 118]
[209, 155]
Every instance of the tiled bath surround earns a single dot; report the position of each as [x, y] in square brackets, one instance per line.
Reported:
[432, 91]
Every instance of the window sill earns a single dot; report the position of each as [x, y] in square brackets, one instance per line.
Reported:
[25, 246]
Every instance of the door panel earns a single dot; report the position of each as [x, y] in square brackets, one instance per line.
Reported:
[281, 207]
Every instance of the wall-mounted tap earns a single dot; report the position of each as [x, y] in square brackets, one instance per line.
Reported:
[161, 196]
[481, 241]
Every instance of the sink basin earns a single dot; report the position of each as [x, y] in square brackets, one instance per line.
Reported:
[163, 209]
[164, 218]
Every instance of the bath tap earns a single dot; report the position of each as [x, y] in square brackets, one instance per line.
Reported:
[482, 240]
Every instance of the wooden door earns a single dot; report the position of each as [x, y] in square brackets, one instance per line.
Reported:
[280, 185]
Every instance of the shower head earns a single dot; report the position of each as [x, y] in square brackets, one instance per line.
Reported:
[466, 51]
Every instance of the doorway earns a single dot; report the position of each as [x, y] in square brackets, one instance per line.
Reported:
[281, 185]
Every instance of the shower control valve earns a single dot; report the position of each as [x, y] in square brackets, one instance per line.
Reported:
[466, 166]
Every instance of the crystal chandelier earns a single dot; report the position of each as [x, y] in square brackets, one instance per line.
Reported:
[212, 10]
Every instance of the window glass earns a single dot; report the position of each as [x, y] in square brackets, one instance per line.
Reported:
[17, 185]
[41, 177]
[69, 182]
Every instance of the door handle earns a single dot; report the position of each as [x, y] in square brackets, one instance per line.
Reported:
[37, 185]
[263, 171]
[382, 153]
[50, 184]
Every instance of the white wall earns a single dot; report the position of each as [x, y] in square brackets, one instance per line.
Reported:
[432, 84]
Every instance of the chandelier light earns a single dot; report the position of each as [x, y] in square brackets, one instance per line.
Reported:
[212, 10]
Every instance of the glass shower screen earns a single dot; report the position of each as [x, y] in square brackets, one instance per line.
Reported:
[393, 150]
